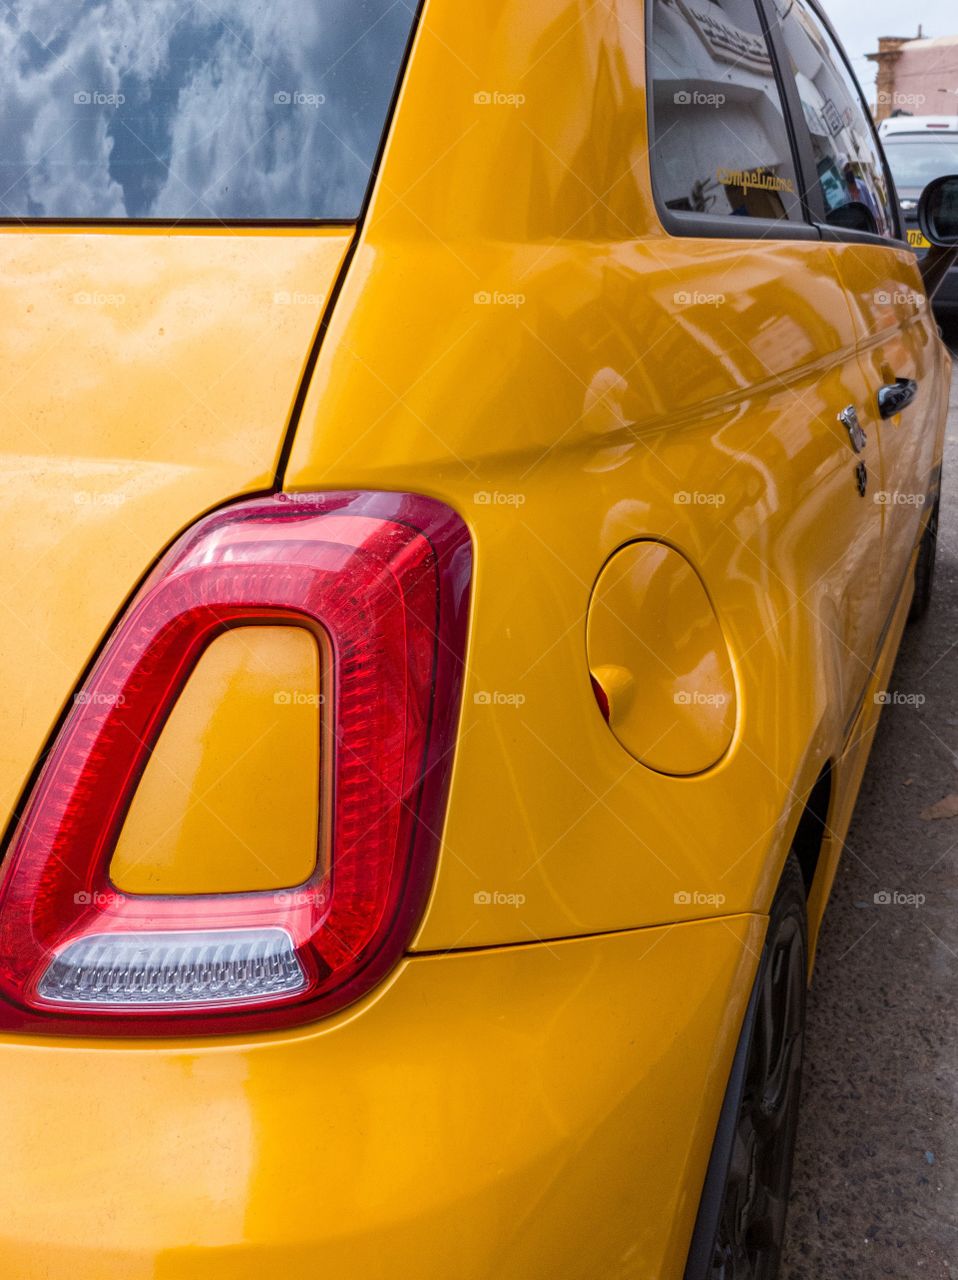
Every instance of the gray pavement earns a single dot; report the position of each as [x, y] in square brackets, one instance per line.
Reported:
[875, 1191]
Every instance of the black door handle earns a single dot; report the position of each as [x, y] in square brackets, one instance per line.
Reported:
[896, 396]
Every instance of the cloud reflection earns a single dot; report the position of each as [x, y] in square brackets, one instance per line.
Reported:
[194, 108]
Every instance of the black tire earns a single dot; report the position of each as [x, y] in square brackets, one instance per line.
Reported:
[925, 567]
[740, 1228]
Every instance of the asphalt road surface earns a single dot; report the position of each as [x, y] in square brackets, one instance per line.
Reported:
[875, 1189]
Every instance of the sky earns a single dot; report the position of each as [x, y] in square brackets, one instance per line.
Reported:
[859, 23]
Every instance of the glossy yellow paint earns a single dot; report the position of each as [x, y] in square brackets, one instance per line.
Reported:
[460, 1123]
[572, 378]
[147, 375]
[897, 338]
[656, 648]
[517, 336]
[849, 769]
[229, 801]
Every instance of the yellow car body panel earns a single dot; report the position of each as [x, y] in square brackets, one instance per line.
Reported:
[459, 1122]
[518, 336]
[148, 375]
[565, 375]
[897, 338]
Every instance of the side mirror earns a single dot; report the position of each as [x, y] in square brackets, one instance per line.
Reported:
[938, 219]
[938, 212]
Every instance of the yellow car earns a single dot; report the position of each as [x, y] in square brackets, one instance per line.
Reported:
[466, 472]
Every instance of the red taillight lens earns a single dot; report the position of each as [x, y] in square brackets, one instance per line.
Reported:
[382, 581]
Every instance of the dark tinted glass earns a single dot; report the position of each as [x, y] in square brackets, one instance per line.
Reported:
[720, 145]
[199, 109]
[849, 164]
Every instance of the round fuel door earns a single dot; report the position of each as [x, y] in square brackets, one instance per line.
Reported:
[659, 660]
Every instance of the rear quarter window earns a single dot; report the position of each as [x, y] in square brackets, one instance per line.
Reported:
[220, 110]
[720, 146]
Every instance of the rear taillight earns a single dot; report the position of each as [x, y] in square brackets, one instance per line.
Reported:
[381, 581]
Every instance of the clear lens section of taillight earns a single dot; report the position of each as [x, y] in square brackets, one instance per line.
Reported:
[192, 967]
[382, 582]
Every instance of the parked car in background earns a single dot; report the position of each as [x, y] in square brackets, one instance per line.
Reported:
[920, 149]
[466, 472]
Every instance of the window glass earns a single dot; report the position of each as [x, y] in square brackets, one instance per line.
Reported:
[720, 146]
[199, 109]
[847, 157]
[916, 161]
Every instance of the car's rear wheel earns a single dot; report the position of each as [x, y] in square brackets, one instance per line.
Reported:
[741, 1225]
[925, 567]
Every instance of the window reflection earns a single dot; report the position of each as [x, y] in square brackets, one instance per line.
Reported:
[849, 165]
[213, 109]
[720, 144]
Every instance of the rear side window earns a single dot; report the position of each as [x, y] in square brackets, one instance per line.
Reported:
[849, 163]
[720, 146]
[195, 109]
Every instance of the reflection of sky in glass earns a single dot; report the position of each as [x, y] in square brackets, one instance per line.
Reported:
[194, 108]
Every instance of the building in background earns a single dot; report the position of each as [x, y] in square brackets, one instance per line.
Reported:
[917, 76]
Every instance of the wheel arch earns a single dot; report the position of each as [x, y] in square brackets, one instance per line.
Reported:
[812, 829]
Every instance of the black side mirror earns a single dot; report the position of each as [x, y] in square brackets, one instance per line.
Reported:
[938, 212]
[853, 216]
[938, 219]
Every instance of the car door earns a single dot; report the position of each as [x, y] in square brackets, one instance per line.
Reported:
[852, 199]
[723, 170]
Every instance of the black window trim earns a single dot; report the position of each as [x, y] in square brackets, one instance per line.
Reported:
[210, 224]
[717, 226]
[810, 181]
